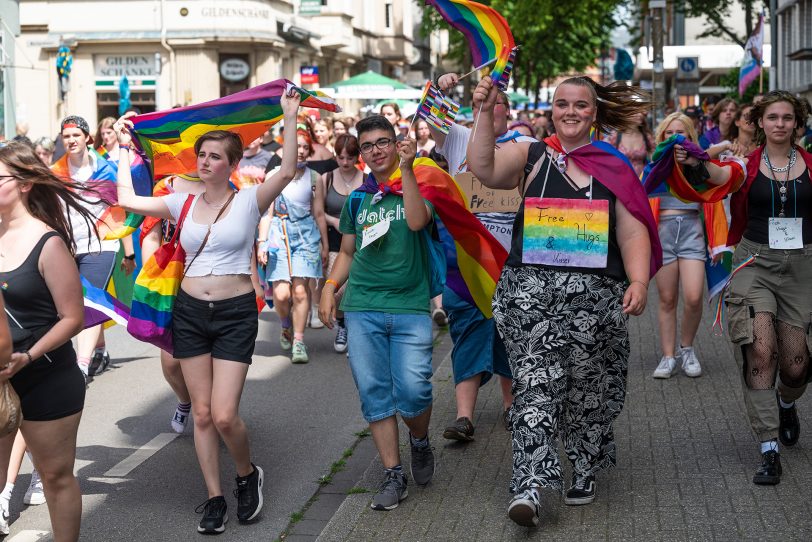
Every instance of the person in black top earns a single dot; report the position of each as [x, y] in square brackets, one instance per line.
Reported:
[43, 295]
[583, 249]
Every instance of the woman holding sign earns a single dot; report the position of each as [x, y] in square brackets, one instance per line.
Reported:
[583, 250]
[769, 298]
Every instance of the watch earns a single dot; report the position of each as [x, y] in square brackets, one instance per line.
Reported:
[130, 257]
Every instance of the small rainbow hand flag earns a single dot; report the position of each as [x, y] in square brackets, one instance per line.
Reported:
[437, 109]
[487, 32]
[167, 138]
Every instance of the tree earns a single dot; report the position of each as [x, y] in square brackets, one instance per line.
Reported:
[731, 81]
[556, 37]
[717, 16]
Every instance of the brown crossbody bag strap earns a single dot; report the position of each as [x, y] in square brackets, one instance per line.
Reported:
[206, 238]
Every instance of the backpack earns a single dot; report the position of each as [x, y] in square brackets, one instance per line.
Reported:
[431, 236]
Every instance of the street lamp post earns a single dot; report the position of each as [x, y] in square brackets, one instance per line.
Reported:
[658, 73]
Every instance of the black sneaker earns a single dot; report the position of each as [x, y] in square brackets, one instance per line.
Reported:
[99, 363]
[462, 430]
[524, 508]
[422, 464]
[392, 491]
[582, 490]
[214, 516]
[789, 428]
[769, 473]
[249, 495]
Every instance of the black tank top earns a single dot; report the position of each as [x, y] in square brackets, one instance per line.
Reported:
[26, 294]
[559, 187]
[764, 202]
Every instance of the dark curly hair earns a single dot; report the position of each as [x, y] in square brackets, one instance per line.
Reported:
[773, 97]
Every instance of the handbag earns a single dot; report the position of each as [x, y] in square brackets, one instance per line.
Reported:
[11, 415]
[157, 285]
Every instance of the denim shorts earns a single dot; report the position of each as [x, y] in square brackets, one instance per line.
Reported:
[478, 349]
[96, 267]
[226, 328]
[390, 359]
[294, 249]
[682, 237]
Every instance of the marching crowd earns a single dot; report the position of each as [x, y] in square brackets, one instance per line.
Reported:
[328, 224]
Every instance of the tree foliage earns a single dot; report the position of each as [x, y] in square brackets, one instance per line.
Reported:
[556, 36]
[717, 15]
[731, 81]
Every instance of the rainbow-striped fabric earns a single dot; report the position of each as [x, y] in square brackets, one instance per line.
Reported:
[479, 255]
[115, 223]
[167, 138]
[487, 32]
[101, 307]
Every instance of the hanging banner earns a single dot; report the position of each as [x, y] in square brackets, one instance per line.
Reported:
[309, 75]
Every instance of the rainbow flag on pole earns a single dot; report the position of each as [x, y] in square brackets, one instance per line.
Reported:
[487, 32]
[437, 109]
[167, 138]
[753, 56]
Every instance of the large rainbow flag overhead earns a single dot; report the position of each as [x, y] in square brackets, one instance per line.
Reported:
[115, 223]
[487, 32]
[167, 138]
[480, 257]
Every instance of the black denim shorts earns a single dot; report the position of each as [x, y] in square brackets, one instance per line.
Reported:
[227, 329]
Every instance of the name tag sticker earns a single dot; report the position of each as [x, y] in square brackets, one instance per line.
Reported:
[786, 233]
[566, 232]
[373, 233]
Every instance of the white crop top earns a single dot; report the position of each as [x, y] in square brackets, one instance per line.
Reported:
[231, 243]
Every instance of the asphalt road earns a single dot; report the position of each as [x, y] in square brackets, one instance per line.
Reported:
[139, 482]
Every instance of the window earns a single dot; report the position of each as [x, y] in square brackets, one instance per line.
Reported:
[107, 102]
[388, 15]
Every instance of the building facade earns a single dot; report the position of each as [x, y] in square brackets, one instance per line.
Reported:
[794, 55]
[179, 52]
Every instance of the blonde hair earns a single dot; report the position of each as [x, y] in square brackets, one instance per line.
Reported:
[690, 131]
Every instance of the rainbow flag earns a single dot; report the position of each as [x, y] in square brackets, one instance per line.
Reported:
[753, 57]
[487, 32]
[437, 109]
[101, 307]
[479, 256]
[167, 137]
[115, 222]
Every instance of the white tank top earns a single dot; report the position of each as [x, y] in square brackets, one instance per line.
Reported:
[299, 192]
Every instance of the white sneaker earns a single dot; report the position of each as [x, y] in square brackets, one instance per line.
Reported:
[690, 363]
[666, 368]
[4, 512]
[34, 495]
[315, 322]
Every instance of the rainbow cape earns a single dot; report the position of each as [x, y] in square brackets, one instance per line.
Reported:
[115, 223]
[487, 32]
[167, 137]
[101, 307]
[479, 256]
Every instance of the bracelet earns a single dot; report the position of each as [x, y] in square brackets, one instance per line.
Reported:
[130, 257]
[331, 281]
[125, 147]
[639, 282]
[261, 240]
[27, 353]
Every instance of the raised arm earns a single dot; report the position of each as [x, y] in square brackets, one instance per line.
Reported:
[445, 83]
[127, 198]
[274, 184]
[501, 168]
[418, 214]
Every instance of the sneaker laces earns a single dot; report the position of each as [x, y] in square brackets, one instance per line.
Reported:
[530, 494]
[689, 358]
[580, 482]
[242, 494]
[341, 335]
[394, 480]
[209, 507]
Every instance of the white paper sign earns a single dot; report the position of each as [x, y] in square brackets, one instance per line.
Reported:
[373, 233]
[786, 233]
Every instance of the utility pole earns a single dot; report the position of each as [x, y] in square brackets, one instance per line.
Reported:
[657, 8]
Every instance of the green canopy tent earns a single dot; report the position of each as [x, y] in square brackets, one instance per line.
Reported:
[372, 86]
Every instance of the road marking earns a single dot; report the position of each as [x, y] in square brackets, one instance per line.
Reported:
[111, 481]
[141, 454]
[29, 536]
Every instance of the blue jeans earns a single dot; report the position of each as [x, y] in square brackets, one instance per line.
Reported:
[390, 358]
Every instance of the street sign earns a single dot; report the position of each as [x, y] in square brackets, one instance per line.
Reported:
[687, 88]
[688, 68]
[309, 75]
[310, 7]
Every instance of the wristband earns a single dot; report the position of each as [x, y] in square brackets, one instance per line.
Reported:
[28, 354]
[130, 257]
[331, 281]
[125, 147]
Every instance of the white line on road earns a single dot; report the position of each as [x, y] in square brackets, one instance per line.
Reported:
[141, 454]
[29, 536]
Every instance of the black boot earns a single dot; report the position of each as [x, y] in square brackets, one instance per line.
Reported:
[769, 473]
[789, 428]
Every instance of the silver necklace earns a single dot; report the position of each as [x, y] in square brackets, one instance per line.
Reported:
[792, 157]
[782, 185]
[347, 185]
[213, 206]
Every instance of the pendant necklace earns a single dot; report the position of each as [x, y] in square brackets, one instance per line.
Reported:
[782, 185]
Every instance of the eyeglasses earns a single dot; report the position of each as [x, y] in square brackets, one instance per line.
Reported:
[382, 143]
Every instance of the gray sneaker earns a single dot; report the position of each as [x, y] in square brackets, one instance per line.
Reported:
[299, 353]
[690, 363]
[422, 464]
[392, 491]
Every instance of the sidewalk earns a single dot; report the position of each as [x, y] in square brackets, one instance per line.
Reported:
[686, 457]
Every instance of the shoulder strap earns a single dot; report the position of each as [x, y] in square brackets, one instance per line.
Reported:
[206, 238]
[536, 151]
[183, 212]
[313, 177]
[356, 198]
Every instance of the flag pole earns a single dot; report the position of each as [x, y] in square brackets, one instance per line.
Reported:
[485, 65]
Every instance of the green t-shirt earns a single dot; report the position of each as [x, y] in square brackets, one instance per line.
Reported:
[392, 273]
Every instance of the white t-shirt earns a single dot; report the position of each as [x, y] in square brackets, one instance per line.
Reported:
[87, 241]
[454, 149]
[231, 242]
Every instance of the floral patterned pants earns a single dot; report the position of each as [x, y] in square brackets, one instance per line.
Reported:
[568, 349]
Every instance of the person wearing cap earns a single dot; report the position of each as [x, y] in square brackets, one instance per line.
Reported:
[94, 257]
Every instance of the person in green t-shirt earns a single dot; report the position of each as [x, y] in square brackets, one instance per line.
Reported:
[385, 261]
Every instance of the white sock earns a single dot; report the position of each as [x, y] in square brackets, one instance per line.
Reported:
[6, 493]
[785, 405]
[769, 445]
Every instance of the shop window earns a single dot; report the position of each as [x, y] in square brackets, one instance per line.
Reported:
[142, 101]
[235, 73]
